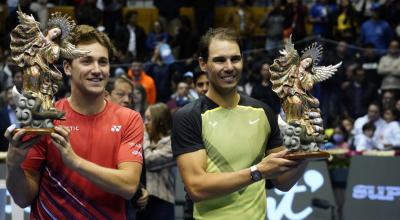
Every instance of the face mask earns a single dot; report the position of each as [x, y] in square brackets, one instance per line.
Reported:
[338, 138]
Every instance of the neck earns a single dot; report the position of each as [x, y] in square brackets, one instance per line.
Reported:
[229, 100]
[86, 105]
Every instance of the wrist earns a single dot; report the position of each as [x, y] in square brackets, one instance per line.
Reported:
[255, 173]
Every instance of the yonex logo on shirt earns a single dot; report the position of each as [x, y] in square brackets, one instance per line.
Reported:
[116, 128]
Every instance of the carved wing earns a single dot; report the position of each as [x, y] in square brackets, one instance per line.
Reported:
[28, 20]
[69, 51]
[26, 40]
[322, 73]
[289, 50]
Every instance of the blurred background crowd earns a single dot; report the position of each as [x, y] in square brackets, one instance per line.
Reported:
[156, 62]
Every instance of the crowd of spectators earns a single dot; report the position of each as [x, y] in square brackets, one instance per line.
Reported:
[360, 104]
[363, 34]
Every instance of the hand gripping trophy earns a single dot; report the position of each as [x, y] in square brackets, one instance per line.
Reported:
[36, 54]
[292, 79]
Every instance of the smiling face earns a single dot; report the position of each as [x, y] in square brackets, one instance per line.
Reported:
[89, 74]
[224, 66]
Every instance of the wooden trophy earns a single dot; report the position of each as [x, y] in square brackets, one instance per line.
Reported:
[292, 78]
[35, 53]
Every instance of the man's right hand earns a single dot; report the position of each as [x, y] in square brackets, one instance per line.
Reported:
[17, 148]
[275, 165]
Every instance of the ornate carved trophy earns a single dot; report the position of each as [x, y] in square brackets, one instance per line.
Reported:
[292, 78]
[36, 52]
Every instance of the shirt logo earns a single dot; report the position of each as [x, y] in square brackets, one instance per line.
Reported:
[213, 124]
[252, 122]
[116, 128]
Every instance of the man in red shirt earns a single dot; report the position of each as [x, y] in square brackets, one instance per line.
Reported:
[91, 164]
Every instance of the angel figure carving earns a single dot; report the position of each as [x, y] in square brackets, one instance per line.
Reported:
[36, 52]
[293, 76]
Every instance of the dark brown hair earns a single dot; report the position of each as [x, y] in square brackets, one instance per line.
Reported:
[220, 34]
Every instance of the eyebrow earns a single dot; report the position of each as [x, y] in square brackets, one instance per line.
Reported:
[225, 57]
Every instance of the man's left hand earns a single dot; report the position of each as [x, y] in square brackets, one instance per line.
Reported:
[60, 139]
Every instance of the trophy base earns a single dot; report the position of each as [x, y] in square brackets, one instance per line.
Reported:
[35, 131]
[304, 155]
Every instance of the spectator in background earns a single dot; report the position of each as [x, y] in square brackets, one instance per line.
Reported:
[390, 137]
[262, 89]
[119, 91]
[369, 61]
[5, 71]
[242, 20]
[138, 76]
[339, 138]
[180, 98]
[376, 31]
[139, 99]
[183, 41]
[299, 13]
[372, 116]
[160, 164]
[330, 88]
[347, 22]
[388, 100]
[389, 67]
[201, 83]
[157, 35]
[358, 94]
[130, 38]
[112, 11]
[188, 78]
[161, 69]
[366, 140]
[7, 116]
[273, 22]
[322, 17]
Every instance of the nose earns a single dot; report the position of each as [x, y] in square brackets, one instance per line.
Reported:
[96, 67]
[228, 64]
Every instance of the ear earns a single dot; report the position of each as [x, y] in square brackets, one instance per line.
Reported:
[67, 68]
[202, 64]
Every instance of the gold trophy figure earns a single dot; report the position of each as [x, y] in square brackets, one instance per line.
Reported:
[36, 52]
[292, 78]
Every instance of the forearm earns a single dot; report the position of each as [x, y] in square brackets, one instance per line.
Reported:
[211, 185]
[117, 181]
[22, 189]
[286, 181]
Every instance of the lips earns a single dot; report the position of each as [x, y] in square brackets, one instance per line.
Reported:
[228, 78]
[95, 79]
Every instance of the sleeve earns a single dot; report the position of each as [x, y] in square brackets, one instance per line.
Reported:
[159, 156]
[275, 138]
[130, 149]
[186, 131]
[36, 155]
[383, 67]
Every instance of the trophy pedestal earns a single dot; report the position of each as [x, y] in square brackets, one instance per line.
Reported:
[35, 131]
[305, 155]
